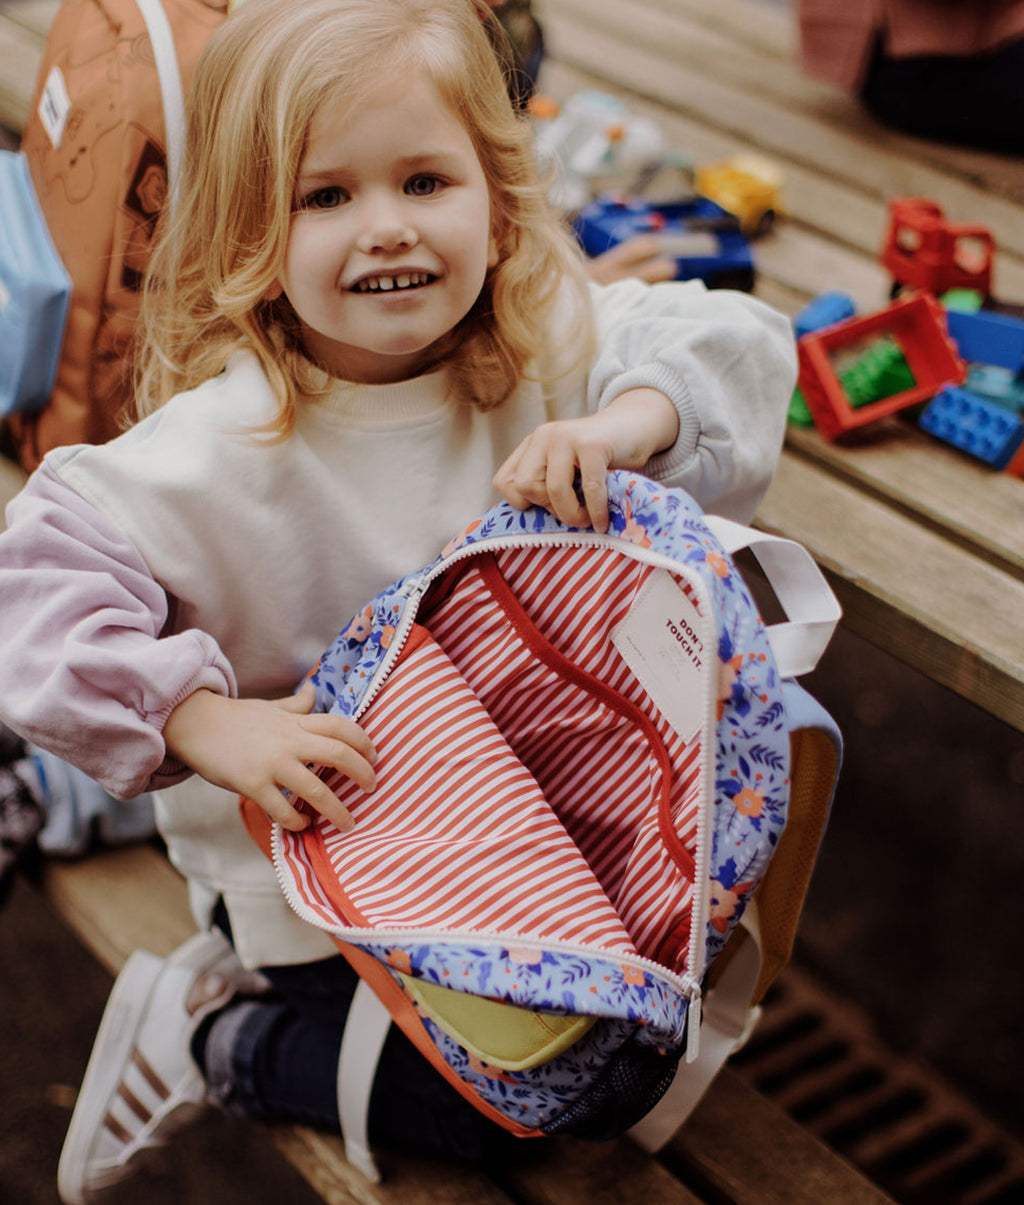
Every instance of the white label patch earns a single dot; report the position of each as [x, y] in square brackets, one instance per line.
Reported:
[661, 642]
[54, 106]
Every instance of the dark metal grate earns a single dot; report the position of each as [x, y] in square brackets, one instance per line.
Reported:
[904, 1127]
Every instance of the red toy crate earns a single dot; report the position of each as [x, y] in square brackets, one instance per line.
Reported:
[917, 323]
[924, 251]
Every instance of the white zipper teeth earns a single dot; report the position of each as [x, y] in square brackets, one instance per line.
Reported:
[689, 982]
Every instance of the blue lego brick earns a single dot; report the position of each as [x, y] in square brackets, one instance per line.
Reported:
[986, 338]
[703, 238]
[824, 310]
[974, 425]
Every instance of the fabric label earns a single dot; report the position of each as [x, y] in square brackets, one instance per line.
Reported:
[661, 642]
[54, 106]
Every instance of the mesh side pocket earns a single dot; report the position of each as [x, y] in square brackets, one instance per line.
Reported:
[631, 1085]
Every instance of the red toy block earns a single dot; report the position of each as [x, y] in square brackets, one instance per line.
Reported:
[924, 251]
[1015, 467]
[917, 323]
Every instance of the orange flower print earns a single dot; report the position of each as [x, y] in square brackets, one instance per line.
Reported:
[724, 901]
[749, 803]
[525, 956]
[359, 628]
[633, 975]
[455, 541]
[633, 531]
[728, 671]
[386, 636]
[718, 563]
[400, 960]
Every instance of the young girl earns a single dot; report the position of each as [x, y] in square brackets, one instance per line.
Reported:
[362, 324]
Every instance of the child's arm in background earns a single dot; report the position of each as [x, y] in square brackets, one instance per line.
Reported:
[727, 362]
[86, 673]
[544, 469]
[724, 362]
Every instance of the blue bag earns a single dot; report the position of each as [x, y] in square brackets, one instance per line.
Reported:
[35, 292]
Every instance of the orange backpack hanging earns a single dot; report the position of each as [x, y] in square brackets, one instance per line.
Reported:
[104, 129]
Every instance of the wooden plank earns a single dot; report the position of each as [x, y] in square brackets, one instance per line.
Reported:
[119, 900]
[407, 1181]
[947, 490]
[947, 613]
[572, 1172]
[776, 1161]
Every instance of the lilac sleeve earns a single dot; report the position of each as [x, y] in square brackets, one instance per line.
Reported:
[86, 670]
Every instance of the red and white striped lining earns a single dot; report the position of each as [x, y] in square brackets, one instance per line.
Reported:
[457, 834]
[466, 841]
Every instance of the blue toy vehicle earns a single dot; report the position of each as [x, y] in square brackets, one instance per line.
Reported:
[704, 239]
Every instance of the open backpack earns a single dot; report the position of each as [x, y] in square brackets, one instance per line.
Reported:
[600, 795]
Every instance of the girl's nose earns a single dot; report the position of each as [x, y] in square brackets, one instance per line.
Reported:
[387, 230]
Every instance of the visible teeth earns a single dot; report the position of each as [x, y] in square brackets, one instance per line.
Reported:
[383, 284]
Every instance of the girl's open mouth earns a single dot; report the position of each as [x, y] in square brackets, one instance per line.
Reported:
[391, 283]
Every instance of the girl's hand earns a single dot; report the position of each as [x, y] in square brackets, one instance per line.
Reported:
[260, 747]
[547, 466]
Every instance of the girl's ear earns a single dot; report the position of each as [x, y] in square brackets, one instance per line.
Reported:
[273, 292]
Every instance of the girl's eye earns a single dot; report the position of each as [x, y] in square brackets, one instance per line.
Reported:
[324, 198]
[423, 186]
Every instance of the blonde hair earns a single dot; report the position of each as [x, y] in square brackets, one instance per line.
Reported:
[258, 85]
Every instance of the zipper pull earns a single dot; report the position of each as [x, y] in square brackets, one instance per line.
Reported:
[693, 1027]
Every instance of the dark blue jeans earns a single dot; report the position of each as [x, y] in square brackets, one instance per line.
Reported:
[276, 1058]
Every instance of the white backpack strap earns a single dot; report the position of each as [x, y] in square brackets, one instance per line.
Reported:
[366, 1029]
[172, 94]
[728, 1021]
[811, 608]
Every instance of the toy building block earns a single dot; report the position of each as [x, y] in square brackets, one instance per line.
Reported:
[704, 239]
[878, 372]
[824, 310]
[998, 385]
[748, 186]
[924, 251]
[985, 338]
[917, 324]
[972, 424]
[798, 413]
[1015, 466]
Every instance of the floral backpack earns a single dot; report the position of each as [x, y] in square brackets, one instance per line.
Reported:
[588, 746]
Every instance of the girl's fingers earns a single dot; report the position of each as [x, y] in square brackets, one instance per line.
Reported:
[322, 799]
[278, 808]
[594, 484]
[340, 731]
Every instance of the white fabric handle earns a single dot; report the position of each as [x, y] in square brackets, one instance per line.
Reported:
[728, 1021]
[172, 93]
[366, 1029]
[811, 608]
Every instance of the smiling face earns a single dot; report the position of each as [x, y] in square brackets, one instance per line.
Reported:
[391, 236]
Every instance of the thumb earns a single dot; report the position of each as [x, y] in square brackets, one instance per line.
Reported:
[300, 703]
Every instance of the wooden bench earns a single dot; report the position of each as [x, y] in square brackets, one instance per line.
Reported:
[924, 547]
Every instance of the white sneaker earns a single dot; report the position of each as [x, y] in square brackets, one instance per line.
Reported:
[141, 1084]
